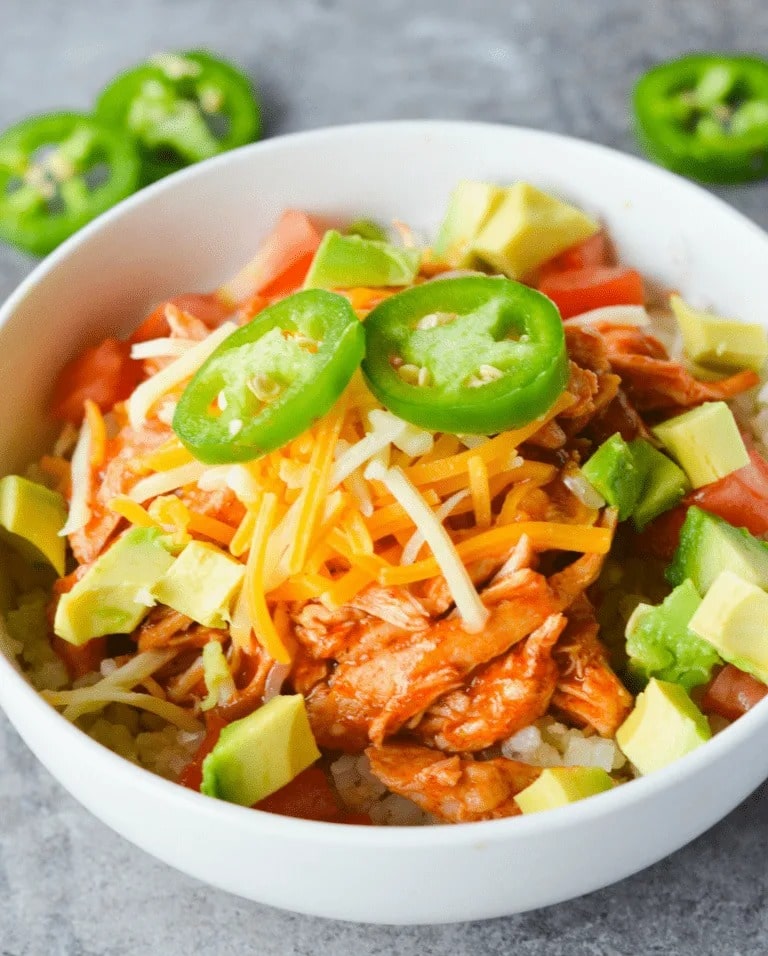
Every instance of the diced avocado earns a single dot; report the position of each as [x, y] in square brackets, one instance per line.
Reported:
[469, 208]
[664, 726]
[717, 343]
[31, 517]
[613, 472]
[733, 617]
[261, 753]
[343, 262]
[529, 227]
[111, 597]
[367, 229]
[709, 545]
[201, 583]
[661, 644]
[663, 483]
[558, 786]
[705, 442]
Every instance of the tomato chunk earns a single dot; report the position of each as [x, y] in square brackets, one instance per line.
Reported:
[206, 307]
[82, 660]
[741, 497]
[662, 536]
[591, 252]
[309, 796]
[281, 263]
[192, 774]
[593, 287]
[105, 374]
[732, 693]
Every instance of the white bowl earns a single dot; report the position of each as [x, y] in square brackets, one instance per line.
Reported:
[189, 233]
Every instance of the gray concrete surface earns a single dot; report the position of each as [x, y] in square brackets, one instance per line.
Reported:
[69, 886]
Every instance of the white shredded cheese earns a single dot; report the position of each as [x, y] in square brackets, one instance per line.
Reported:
[414, 543]
[160, 348]
[164, 482]
[152, 390]
[385, 428]
[472, 610]
[612, 315]
[79, 510]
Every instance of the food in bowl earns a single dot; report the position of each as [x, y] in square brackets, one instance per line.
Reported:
[487, 551]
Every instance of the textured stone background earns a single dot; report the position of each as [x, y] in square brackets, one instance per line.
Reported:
[70, 887]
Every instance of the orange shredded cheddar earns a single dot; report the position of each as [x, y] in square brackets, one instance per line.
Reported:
[313, 495]
[258, 612]
[171, 454]
[241, 539]
[358, 534]
[301, 587]
[98, 432]
[543, 534]
[212, 528]
[480, 491]
[347, 587]
[132, 511]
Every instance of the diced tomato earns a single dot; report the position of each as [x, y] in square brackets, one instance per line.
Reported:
[309, 796]
[105, 373]
[591, 252]
[732, 693]
[206, 307]
[741, 497]
[192, 774]
[82, 660]
[593, 287]
[281, 264]
[661, 537]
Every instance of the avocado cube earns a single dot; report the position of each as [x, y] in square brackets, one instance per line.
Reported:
[31, 517]
[661, 644]
[469, 208]
[717, 343]
[664, 726]
[261, 753]
[705, 442]
[110, 598]
[527, 228]
[344, 262]
[663, 483]
[733, 617]
[559, 786]
[709, 544]
[201, 583]
[613, 472]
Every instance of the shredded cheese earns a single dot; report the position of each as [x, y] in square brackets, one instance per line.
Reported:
[386, 428]
[317, 488]
[79, 510]
[480, 490]
[472, 610]
[544, 535]
[160, 348]
[132, 511]
[146, 395]
[98, 432]
[414, 543]
[253, 585]
[164, 482]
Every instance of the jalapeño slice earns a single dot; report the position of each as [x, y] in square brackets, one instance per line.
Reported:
[471, 355]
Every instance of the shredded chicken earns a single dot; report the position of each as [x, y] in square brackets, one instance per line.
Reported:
[452, 788]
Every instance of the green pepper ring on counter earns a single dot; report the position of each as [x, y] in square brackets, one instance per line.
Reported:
[706, 116]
